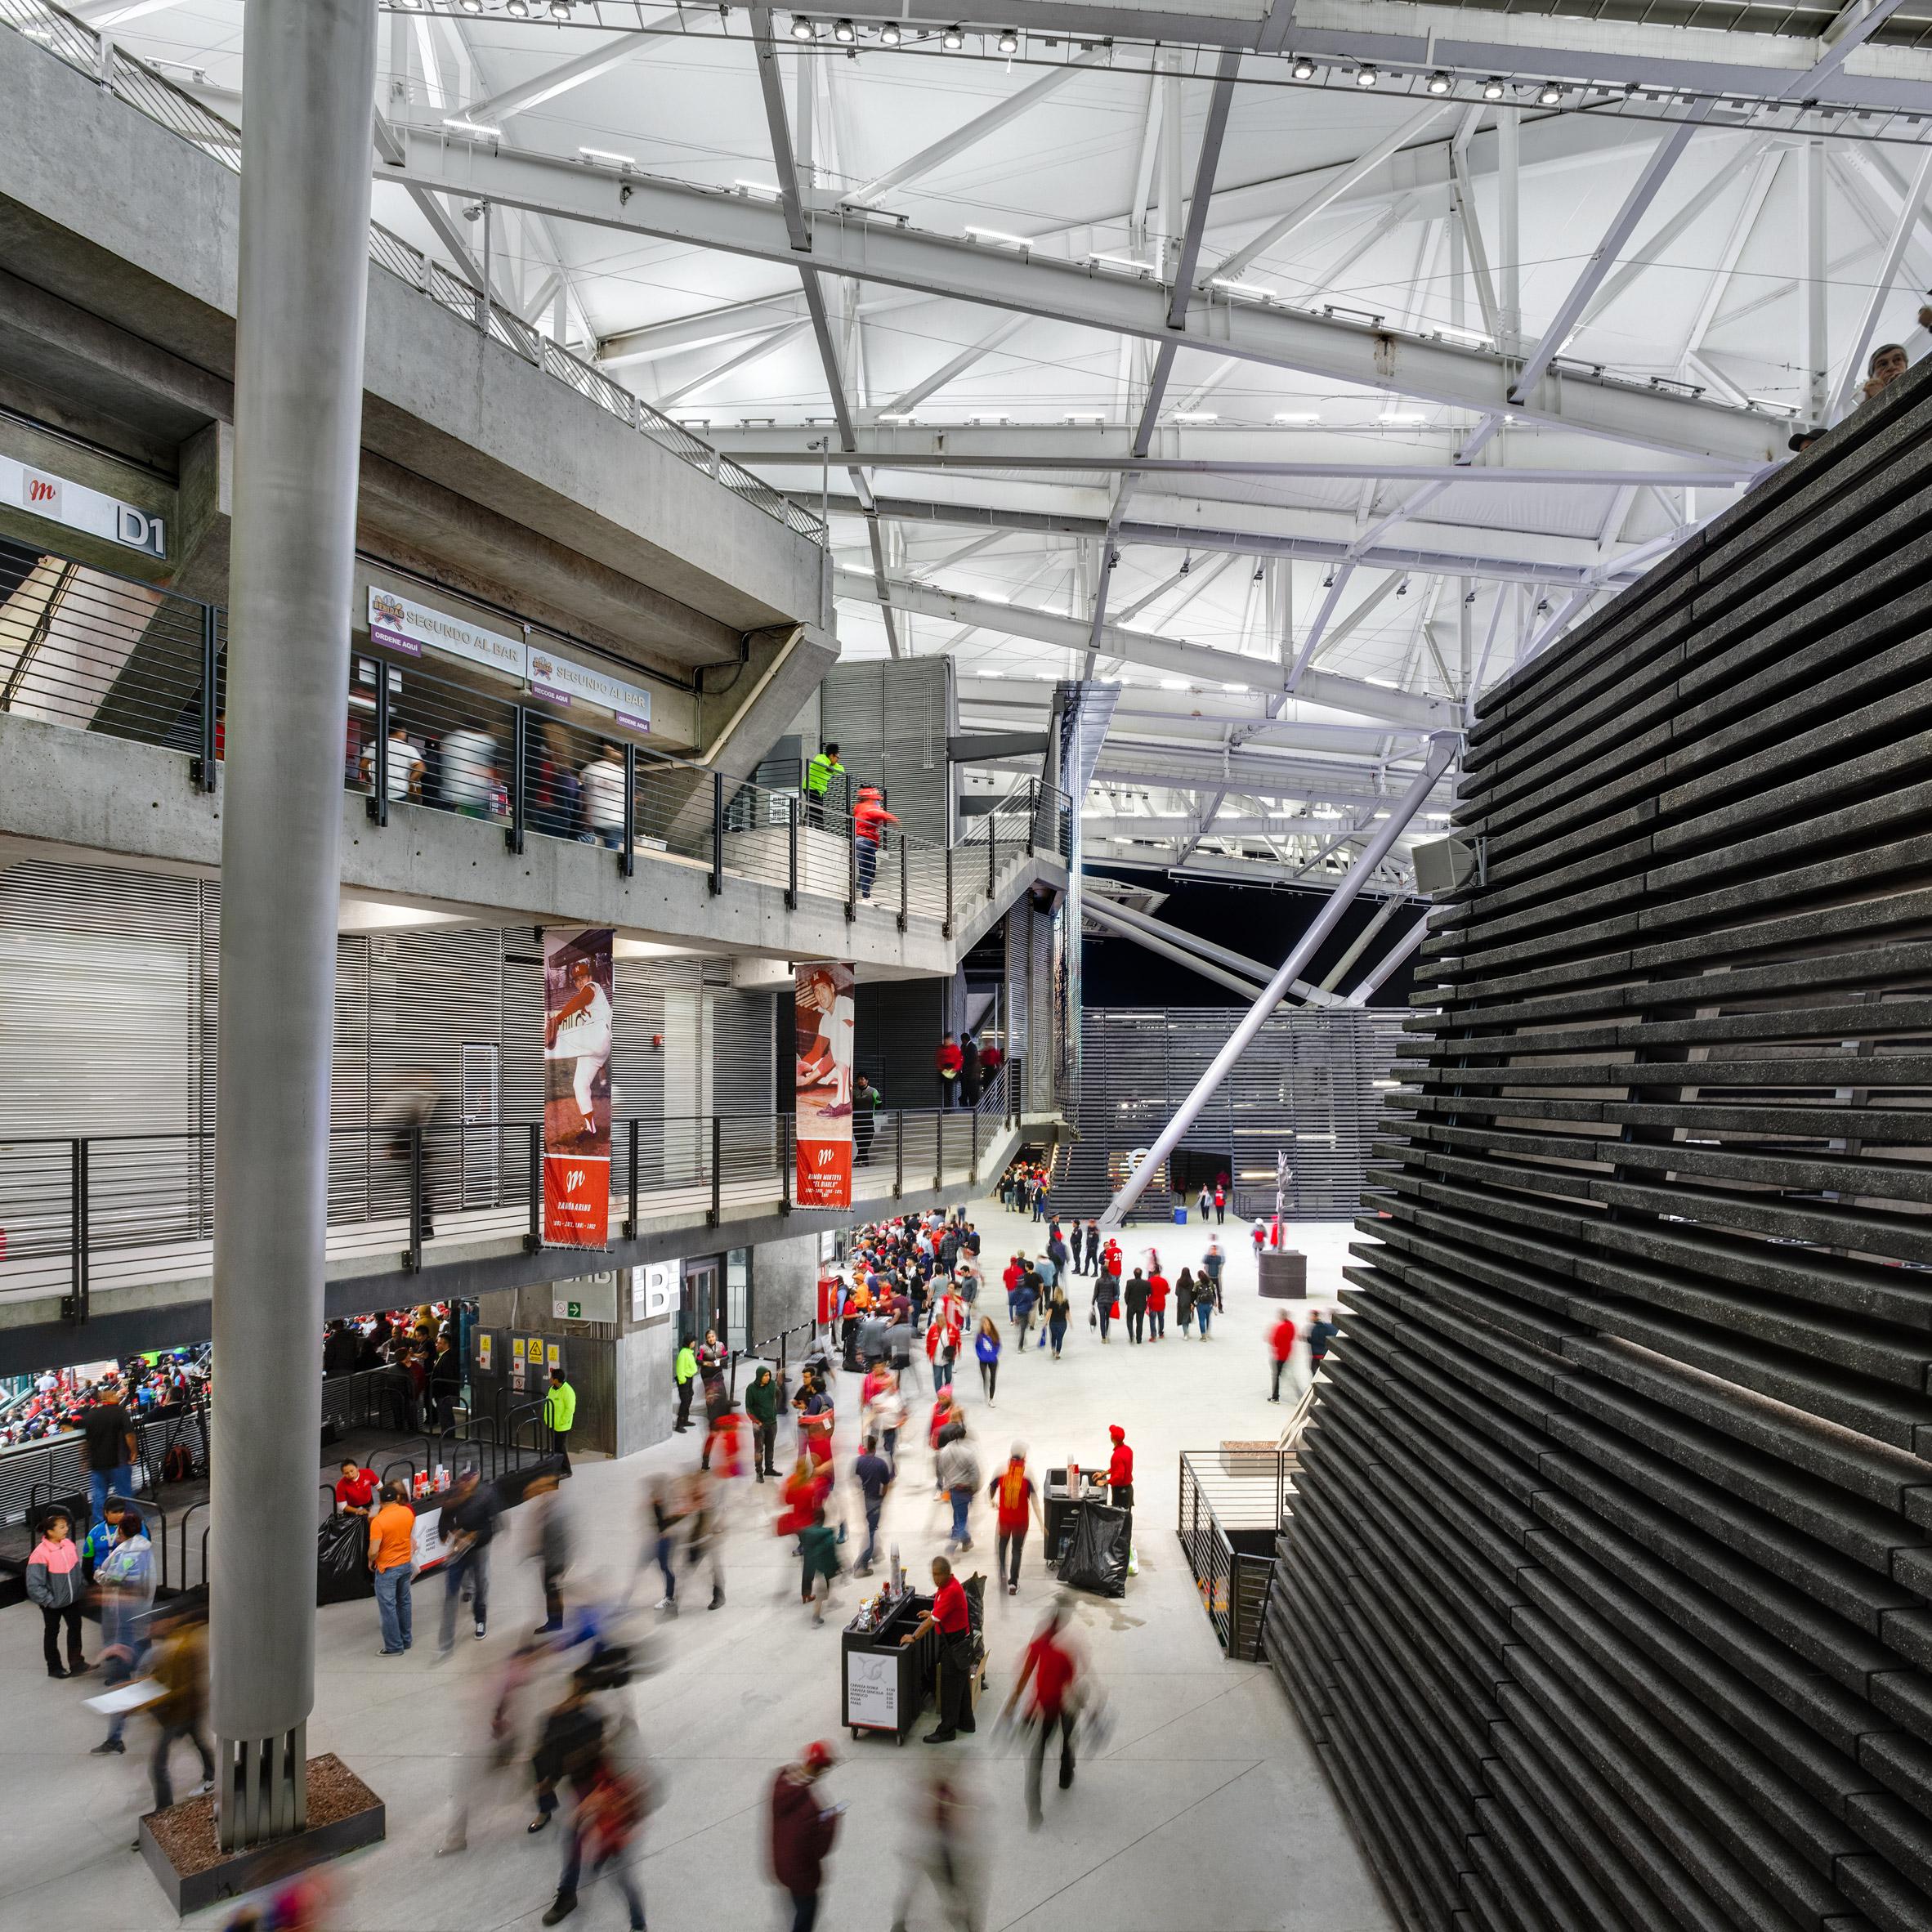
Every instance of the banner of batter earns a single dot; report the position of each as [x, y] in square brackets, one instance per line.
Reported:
[824, 1081]
[578, 983]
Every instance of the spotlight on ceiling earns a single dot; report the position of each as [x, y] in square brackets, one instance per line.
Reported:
[801, 27]
[1549, 96]
[1493, 90]
[471, 6]
[517, 9]
[1366, 77]
[844, 33]
[1302, 67]
[1440, 83]
[888, 34]
[953, 39]
[560, 9]
[1008, 42]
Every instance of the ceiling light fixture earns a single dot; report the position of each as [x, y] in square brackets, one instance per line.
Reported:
[745, 187]
[605, 154]
[560, 9]
[888, 34]
[1549, 96]
[998, 235]
[458, 125]
[1234, 687]
[1439, 83]
[1174, 684]
[517, 9]
[801, 27]
[1297, 415]
[1008, 42]
[1366, 77]
[1493, 90]
[844, 33]
[471, 6]
[1302, 67]
[953, 39]
[1195, 416]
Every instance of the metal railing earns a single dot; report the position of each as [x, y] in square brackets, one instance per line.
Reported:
[149, 92]
[116, 1211]
[1232, 1502]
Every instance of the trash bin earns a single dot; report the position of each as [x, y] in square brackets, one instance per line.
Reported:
[1180, 1217]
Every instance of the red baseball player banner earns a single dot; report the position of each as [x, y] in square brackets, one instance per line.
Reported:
[824, 1078]
[578, 981]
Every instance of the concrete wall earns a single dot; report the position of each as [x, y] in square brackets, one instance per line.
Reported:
[784, 1285]
[106, 210]
[646, 1390]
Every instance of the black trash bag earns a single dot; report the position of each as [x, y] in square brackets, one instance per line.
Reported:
[342, 1560]
[513, 1485]
[1097, 1560]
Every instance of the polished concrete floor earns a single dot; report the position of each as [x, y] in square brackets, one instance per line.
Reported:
[1206, 1811]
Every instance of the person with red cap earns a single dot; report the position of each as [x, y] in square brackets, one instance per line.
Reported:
[801, 1832]
[1119, 1470]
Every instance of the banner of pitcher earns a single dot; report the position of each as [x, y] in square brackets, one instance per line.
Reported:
[578, 985]
[825, 1083]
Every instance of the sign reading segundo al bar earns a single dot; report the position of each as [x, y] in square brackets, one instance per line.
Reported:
[824, 1078]
[410, 627]
[564, 682]
[578, 985]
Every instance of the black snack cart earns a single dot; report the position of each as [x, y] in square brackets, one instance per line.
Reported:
[883, 1681]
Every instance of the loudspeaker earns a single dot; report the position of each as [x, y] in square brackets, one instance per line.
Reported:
[1442, 864]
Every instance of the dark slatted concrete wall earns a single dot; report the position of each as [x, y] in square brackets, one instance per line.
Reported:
[1605, 1597]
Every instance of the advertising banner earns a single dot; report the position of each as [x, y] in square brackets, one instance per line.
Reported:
[578, 982]
[825, 1077]
[400, 625]
[564, 683]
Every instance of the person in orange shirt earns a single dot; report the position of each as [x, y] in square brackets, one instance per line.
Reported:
[391, 1532]
[869, 821]
[1013, 1494]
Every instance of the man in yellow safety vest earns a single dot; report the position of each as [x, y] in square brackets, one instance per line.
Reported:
[818, 781]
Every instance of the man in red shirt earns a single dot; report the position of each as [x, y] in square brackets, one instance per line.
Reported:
[952, 1617]
[801, 1832]
[1012, 1491]
[355, 1488]
[1157, 1286]
[1050, 1668]
[1119, 1470]
[1281, 1345]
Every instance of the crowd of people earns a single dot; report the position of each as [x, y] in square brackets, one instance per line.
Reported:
[416, 1355]
[59, 1400]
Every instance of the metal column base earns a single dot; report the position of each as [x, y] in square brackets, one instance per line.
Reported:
[262, 1788]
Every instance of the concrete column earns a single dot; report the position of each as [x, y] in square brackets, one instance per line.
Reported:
[308, 78]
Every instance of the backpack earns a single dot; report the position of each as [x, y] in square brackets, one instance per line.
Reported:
[177, 1466]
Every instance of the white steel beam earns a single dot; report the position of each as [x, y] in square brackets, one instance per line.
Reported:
[1216, 668]
[1084, 294]
[765, 346]
[1881, 289]
[1002, 331]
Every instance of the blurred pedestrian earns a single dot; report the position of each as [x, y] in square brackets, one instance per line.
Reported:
[1321, 1331]
[612, 1804]
[124, 1590]
[956, 1468]
[985, 1345]
[706, 1535]
[391, 1537]
[818, 1547]
[1211, 1264]
[568, 1748]
[951, 1617]
[1012, 1497]
[664, 1509]
[803, 1830]
[1048, 1673]
[552, 1540]
[467, 1527]
[944, 1851]
[181, 1670]
[873, 1474]
[54, 1582]
[1280, 1347]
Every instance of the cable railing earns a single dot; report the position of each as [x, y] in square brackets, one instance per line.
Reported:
[1232, 1504]
[85, 648]
[149, 92]
[114, 1212]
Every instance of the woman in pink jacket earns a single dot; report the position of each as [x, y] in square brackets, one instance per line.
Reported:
[54, 1582]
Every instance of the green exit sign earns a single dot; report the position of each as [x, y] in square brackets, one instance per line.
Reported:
[573, 1311]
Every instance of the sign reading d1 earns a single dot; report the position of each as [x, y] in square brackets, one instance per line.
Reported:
[91, 511]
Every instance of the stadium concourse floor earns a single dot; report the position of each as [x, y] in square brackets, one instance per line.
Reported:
[1206, 1811]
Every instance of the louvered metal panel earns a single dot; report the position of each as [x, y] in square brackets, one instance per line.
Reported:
[1608, 1594]
[1304, 1088]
